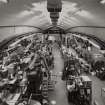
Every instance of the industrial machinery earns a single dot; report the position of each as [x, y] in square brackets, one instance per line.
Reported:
[24, 72]
[80, 89]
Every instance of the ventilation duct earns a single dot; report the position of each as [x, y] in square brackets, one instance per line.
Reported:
[54, 15]
[54, 5]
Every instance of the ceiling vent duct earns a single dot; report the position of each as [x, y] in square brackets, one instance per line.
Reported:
[54, 15]
[54, 5]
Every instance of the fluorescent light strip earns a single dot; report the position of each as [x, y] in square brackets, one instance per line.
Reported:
[102, 1]
[4, 1]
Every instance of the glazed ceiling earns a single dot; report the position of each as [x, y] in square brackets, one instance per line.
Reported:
[34, 12]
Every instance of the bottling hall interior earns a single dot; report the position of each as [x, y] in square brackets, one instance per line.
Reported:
[52, 52]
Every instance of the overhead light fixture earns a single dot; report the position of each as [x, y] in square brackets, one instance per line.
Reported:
[102, 1]
[4, 1]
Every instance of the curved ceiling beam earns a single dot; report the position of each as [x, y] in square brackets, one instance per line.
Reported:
[22, 26]
[58, 26]
[67, 30]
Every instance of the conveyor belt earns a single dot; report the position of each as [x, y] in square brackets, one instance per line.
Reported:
[7, 41]
[99, 41]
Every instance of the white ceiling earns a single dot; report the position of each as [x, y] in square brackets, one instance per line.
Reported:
[34, 12]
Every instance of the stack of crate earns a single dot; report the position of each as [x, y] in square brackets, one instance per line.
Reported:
[45, 87]
[51, 85]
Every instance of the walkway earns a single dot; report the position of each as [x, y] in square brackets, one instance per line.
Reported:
[59, 94]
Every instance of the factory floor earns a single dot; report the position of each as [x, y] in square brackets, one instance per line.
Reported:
[60, 95]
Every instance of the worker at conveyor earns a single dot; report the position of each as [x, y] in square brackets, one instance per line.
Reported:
[34, 76]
